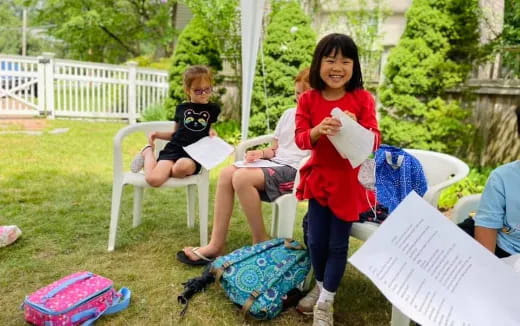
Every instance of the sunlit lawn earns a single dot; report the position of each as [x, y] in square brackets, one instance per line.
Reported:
[57, 189]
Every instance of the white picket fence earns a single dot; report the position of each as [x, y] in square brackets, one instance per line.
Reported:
[65, 88]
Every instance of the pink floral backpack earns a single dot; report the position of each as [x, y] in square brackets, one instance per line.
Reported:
[77, 299]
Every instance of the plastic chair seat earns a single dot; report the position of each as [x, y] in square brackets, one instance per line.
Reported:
[464, 207]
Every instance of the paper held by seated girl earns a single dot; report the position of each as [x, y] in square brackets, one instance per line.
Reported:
[256, 164]
[353, 141]
[209, 151]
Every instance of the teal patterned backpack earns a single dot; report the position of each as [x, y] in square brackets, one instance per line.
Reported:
[258, 277]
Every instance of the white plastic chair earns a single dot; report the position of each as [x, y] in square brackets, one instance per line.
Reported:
[441, 171]
[464, 207]
[283, 207]
[195, 183]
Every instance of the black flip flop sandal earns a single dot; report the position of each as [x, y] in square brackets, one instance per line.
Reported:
[202, 261]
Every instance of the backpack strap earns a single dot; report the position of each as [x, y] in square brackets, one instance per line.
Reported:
[120, 303]
[288, 243]
[256, 293]
[219, 271]
[249, 302]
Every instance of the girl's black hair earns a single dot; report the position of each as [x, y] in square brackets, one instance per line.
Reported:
[329, 45]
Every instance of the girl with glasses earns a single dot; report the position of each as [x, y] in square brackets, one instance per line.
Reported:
[193, 122]
[253, 185]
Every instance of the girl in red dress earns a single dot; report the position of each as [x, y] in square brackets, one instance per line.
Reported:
[329, 181]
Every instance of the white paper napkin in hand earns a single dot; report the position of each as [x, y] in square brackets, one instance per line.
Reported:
[353, 141]
[209, 151]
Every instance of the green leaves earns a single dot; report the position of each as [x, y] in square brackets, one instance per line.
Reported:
[435, 53]
[109, 30]
[197, 45]
[287, 48]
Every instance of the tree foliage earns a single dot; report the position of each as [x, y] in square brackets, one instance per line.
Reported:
[511, 36]
[362, 20]
[196, 46]
[225, 25]
[110, 30]
[287, 48]
[435, 53]
[11, 30]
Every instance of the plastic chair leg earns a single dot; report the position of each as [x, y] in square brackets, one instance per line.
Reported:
[117, 190]
[190, 205]
[138, 205]
[398, 318]
[203, 192]
[274, 220]
[286, 216]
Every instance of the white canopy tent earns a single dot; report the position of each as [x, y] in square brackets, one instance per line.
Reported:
[251, 25]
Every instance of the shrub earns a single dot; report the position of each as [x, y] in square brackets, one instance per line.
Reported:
[149, 62]
[434, 54]
[474, 183]
[229, 131]
[287, 48]
[511, 35]
[156, 112]
[196, 45]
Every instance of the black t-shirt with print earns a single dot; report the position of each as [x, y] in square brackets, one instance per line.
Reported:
[194, 121]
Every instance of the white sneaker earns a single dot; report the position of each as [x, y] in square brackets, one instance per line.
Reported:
[323, 314]
[138, 161]
[307, 303]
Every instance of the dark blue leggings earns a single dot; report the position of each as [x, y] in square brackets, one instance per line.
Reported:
[328, 245]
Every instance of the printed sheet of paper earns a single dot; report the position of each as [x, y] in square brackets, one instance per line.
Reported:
[209, 151]
[513, 261]
[435, 273]
[256, 164]
[353, 141]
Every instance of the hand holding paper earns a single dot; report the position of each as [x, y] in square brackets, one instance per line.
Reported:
[353, 141]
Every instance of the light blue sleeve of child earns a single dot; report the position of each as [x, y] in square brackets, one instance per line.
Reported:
[492, 208]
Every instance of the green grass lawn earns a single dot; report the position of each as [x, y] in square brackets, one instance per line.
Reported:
[57, 189]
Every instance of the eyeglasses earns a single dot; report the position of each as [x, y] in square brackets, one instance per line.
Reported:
[200, 91]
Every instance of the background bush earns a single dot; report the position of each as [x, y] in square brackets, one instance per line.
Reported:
[287, 48]
[435, 53]
[155, 112]
[229, 130]
[473, 184]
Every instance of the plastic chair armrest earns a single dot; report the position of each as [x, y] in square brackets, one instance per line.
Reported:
[128, 130]
[243, 146]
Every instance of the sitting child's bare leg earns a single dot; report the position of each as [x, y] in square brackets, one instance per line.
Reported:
[247, 183]
[183, 167]
[156, 173]
[224, 199]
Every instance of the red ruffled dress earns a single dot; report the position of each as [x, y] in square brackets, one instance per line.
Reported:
[327, 177]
